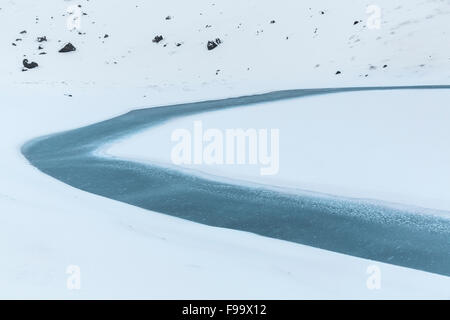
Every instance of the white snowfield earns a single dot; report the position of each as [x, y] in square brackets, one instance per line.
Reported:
[126, 252]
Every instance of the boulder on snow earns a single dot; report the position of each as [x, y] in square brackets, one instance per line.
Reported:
[157, 39]
[28, 65]
[213, 44]
[68, 48]
[42, 39]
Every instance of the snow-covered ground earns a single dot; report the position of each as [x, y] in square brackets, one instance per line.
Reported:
[126, 252]
[303, 48]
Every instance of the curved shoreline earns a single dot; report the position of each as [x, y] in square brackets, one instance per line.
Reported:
[359, 228]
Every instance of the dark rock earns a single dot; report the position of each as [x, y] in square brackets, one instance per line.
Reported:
[211, 45]
[356, 22]
[272, 22]
[168, 18]
[338, 72]
[68, 48]
[23, 32]
[385, 66]
[42, 39]
[157, 39]
[31, 65]
[106, 36]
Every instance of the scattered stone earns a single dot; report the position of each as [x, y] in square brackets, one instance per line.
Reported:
[338, 72]
[272, 22]
[42, 53]
[355, 23]
[23, 32]
[15, 45]
[31, 65]
[211, 45]
[385, 66]
[42, 39]
[40, 48]
[106, 36]
[157, 39]
[178, 44]
[168, 18]
[68, 48]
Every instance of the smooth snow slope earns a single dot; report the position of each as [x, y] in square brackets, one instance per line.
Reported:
[130, 253]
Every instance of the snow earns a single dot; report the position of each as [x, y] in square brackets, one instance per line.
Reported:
[126, 252]
[412, 34]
